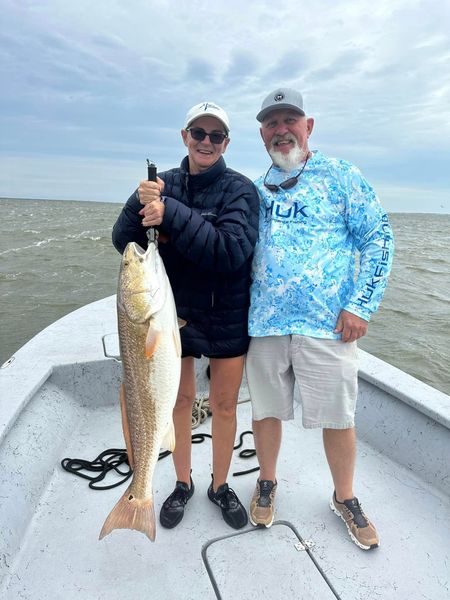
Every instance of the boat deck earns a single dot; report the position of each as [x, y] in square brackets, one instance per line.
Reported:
[53, 551]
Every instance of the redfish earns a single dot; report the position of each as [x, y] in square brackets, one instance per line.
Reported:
[150, 349]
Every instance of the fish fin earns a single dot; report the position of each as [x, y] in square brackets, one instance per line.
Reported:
[181, 323]
[125, 426]
[131, 513]
[177, 342]
[152, 341]
[169, 438]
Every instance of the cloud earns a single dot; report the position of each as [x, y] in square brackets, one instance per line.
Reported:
[241, 68]
[288, 67]
[199, 70]
[109, 82]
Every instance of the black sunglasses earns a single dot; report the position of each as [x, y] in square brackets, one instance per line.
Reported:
[284, 185]
[199, 134]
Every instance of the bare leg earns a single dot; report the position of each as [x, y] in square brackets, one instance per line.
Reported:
[340, 450]
[182, 419]
[226, 377]
[267, 434]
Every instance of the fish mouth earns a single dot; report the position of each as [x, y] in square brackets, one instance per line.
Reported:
[137, 249]
[140, 252]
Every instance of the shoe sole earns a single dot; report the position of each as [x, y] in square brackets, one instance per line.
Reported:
[354, 539]
[171, 525]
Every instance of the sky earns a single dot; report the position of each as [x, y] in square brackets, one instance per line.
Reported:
[92, 89]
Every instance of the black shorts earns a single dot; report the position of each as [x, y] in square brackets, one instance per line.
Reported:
[186, 354]
[213, 343]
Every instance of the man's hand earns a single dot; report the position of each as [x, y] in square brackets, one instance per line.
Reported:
[351, 326]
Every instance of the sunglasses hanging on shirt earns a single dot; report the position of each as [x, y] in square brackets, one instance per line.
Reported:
[284, 185]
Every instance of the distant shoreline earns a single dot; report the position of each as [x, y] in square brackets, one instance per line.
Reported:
[123, 202]
[60, 200]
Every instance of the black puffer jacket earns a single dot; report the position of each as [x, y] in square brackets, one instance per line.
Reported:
[211, 220]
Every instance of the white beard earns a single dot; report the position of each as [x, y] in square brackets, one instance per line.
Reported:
[290, 161]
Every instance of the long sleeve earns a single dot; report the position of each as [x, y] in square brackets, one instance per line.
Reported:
[128, 227]
[221, 240]
[374, 239]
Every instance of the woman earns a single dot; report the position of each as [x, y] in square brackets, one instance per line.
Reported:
[207, 217]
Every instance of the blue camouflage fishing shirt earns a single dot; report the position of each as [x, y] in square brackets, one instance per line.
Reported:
[309, 236]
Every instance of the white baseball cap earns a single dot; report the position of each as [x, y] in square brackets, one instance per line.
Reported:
[209, 109]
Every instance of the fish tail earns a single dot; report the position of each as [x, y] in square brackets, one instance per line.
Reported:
[131, 513]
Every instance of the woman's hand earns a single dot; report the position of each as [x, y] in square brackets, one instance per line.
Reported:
[150, 197]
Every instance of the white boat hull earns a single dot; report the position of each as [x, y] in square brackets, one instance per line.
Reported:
[59, 398]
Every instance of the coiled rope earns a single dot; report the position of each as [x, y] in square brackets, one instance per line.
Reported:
[116, 460]
[200, 411]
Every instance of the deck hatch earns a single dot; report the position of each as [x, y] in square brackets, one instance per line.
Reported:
[273, 563]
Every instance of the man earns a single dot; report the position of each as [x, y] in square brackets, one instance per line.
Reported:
[307, 309]
[207, 216]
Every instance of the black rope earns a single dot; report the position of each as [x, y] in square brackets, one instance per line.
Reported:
[248, 453]
[106, 461]
[198, 438]
[114, 458]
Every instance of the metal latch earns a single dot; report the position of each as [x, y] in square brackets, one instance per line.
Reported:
[306, 545]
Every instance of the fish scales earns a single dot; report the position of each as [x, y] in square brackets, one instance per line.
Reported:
[151, 356]
[143, 406]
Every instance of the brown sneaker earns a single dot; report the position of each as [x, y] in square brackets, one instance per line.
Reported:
[262, 508]
[361, 530]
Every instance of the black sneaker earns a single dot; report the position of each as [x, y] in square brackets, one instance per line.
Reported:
[172, 511]
[233, 513]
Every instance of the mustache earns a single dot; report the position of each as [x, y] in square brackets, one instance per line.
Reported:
[287, 137]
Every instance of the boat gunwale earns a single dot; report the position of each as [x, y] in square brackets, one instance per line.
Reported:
[18, 386]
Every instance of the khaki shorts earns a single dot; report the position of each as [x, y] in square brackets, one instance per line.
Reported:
[326, 372]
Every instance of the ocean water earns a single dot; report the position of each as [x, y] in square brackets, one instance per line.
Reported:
[56, 256]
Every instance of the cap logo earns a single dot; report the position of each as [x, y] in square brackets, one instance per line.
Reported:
[209, 105]
[279, 97]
